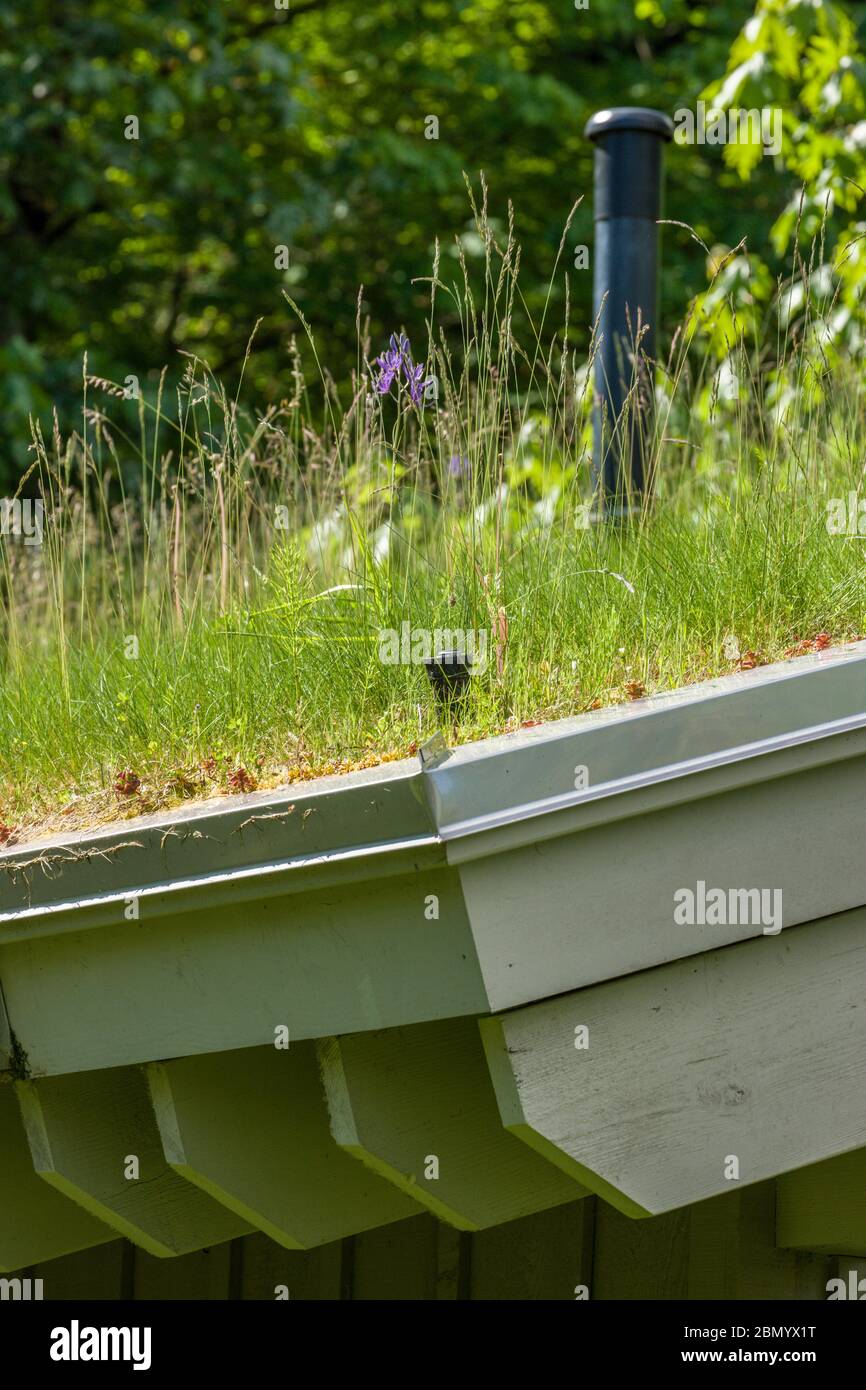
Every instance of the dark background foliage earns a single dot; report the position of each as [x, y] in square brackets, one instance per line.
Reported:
[305, 127]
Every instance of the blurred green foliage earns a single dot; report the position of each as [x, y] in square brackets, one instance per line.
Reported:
[305, 127]
[804, 58]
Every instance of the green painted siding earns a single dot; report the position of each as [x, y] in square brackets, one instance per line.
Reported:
[720, 1249]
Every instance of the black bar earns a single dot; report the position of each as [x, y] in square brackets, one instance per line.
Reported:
[629, 145]
[241, 1341]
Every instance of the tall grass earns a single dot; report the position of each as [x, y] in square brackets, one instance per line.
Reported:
[204, 612]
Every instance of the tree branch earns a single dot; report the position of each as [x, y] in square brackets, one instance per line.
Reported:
[280, 18]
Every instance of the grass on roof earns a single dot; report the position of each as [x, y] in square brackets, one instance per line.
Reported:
[211, 604]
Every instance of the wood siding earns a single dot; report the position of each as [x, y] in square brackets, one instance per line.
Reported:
[720, 1249]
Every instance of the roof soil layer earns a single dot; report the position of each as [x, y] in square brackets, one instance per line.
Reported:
[527, 883]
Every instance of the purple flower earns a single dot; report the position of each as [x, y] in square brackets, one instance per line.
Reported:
[399, 355]
[389, 363]
[416, 379]
[458, 466]
[388, 370]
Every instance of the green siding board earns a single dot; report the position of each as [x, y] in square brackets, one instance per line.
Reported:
[720, 1249]
[100, 1274]
[308, 1274]
[545, 1256]
[646, 1259]
[398, 1262]
[202, 1274]
[823, 1207]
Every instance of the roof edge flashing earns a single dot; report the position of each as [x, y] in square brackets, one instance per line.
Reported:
[378, 821]
[723, 720]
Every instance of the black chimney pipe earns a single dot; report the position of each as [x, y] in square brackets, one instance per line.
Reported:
[629, 144]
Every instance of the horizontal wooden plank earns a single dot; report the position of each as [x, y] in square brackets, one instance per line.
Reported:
[699, 1077]
[337, 960]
